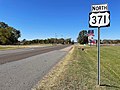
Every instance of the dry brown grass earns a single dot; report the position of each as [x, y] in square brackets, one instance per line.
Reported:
[49, 81]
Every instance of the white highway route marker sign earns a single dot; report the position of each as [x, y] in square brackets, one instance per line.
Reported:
[99, 19]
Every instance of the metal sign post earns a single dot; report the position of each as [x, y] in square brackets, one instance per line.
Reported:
[99, 17]
[98, 55]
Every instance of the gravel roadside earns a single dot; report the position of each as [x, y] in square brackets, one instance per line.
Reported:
[24, 74]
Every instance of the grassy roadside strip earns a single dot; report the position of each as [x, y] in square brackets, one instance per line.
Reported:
[10, 47]
[78, 70]
[49, 81]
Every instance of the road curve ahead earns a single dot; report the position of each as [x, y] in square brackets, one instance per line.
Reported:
[25, 73]
[14, 55]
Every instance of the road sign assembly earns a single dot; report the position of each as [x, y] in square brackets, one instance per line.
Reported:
[99, 17]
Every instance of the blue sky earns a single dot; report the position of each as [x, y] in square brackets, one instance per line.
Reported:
[40, 19]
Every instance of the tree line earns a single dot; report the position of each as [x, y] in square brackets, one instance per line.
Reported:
[10, 35]
[83, 39]
[108, 41]
[48, 41]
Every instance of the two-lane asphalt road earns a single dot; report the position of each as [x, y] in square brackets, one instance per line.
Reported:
[14, 55]
[21, 69]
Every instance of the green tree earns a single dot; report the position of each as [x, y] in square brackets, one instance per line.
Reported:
[68, 41]
[8, 35]
[72, 42]
[82, 37]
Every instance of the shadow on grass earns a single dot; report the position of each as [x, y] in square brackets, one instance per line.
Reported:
[110, 86]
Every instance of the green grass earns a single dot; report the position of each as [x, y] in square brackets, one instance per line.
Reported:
[7, 48]
[86, 67]
[81, 71]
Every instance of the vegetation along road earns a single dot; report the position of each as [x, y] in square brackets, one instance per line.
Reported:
[78, 71]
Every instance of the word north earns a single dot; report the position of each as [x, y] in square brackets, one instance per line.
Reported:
[99, 8]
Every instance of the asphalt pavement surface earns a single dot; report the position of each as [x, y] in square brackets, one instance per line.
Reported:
[13, 55]
[28, 66]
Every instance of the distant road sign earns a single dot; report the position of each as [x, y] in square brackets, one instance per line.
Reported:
[99, 8]
[90, 32]
[99, 19]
